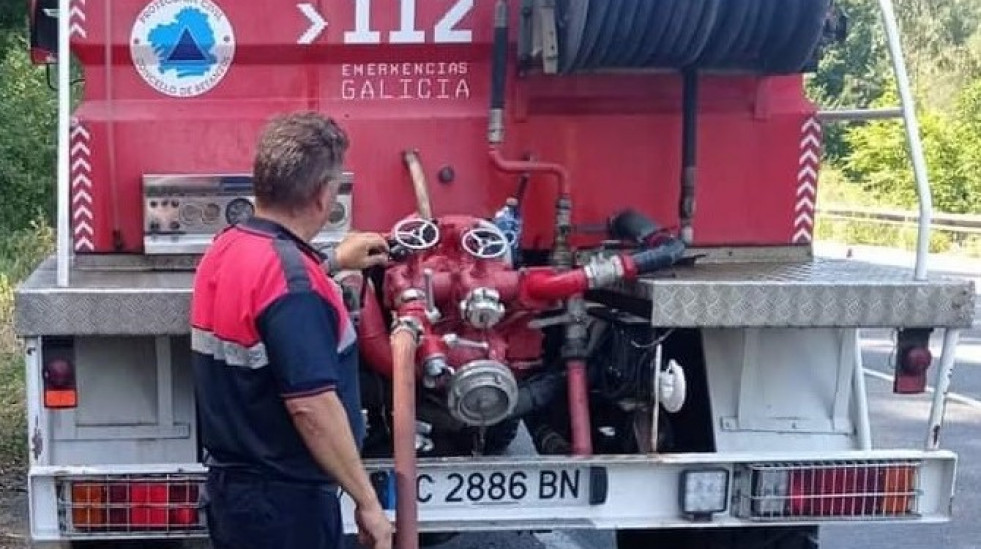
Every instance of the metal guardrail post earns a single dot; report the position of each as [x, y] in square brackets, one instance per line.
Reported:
[912, 137]
[63, 241]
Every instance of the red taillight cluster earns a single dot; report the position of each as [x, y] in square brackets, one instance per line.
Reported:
[848, 491]
[830, 490]
[135, 506]
[59, 384]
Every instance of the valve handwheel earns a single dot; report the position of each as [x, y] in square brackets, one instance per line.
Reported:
[485, 242]
[416, 234]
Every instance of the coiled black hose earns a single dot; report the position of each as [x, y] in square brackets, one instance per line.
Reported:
[763, 36]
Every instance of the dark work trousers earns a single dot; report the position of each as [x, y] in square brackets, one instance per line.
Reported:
[247, 511]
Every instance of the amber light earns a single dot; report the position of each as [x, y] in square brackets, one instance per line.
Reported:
[88, 505]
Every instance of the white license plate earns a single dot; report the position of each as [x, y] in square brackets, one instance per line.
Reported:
[454, 487]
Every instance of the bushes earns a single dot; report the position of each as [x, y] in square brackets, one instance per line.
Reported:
[20, 252]
[28, 118]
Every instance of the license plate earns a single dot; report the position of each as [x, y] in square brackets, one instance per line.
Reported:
[454, 487]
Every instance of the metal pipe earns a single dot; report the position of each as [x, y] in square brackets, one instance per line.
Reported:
[912, 137]
[404, 342]
[689, 149]
[862, 426]
[845, 115]
[558, 171]
[63, 241]
[499, 65]
[420, 187]
[582, 443]
[942, 386]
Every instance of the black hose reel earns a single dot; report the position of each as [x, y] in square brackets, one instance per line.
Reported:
[759, 36]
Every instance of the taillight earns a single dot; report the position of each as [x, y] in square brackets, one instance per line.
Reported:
[127, 506]
[834, 490]
[913, 359]
[59, 384]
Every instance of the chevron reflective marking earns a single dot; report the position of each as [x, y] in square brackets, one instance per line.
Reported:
[807, 173]
[82, 197]
[80, 156]
[810, 140]
[806, 188]
[80, 131]
[811, 126]
[80, 147]
[76, 19]
[804, 205]
[82, 212]
[808, 165]
[804, 219]
[802, 236]
[80, 163]
[81, 180]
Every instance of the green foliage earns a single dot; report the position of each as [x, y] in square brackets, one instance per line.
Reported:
[28, 116]
[20, 252]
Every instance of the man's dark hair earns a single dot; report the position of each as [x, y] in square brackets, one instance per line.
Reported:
[297, 155]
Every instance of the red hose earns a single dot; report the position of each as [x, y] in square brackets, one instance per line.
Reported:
[526, 166]
[578, 385]
[404, 400]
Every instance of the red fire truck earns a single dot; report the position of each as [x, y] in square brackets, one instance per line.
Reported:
[601, 214]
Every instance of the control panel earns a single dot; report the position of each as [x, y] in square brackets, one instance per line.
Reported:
[183, 213]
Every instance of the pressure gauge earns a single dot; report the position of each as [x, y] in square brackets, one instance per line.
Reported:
[238, 211]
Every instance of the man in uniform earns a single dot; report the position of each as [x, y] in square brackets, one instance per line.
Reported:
[275, 360]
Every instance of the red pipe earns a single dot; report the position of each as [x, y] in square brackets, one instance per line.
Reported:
[582, 440]
[547, 285]
[527, 166]
[373, 342]
[404, 400]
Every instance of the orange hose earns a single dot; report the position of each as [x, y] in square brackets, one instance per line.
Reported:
[404, 397]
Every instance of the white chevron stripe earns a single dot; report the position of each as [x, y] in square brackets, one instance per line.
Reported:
[77, 30]
[810, 156]
[82, 211]
[79, 130]
[81, 163]
[804, 219]
[811, 125]
[82, 196]
[807, 173]
[83, 227]
[804, 203]
[810, 141]
[84, 244]
[76, 13]
[802, 236]
[81, 180]
[80, 148]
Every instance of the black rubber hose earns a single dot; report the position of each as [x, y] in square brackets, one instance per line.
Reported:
[500, 56]
[704, 33]
[689, 150]
[632, 225]
[659, 257]
[766, 36]
[537, 393]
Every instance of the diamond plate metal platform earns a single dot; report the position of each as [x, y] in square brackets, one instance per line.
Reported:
[113, 302]
[798, 293]
[811, 293]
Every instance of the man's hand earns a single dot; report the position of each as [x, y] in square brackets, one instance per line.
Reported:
[374, 529]
[359, 251]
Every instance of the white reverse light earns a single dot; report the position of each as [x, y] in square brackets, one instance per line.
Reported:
[704, 492]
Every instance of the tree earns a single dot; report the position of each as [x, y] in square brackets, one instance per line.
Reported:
[28, 118]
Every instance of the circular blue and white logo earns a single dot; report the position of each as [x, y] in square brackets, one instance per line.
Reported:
[182, 48]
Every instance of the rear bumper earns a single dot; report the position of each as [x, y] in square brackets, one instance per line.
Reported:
[608, 492]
